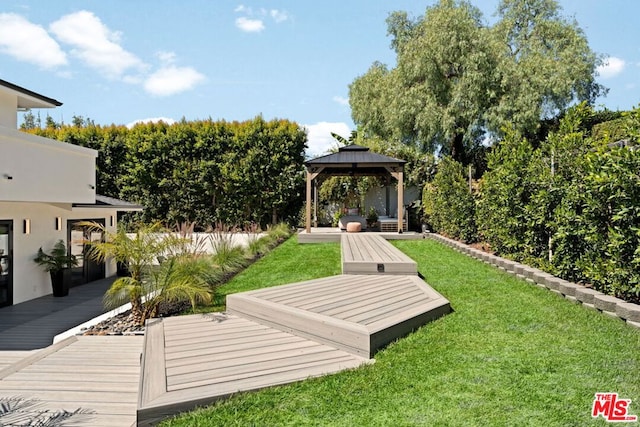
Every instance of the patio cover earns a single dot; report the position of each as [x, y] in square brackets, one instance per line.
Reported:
[355, 160]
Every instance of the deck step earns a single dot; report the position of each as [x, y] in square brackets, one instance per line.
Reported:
[232, 355]
[356, 313]
[369, 253]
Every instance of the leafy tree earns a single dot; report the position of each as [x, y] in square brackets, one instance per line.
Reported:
[505, 191]
[50, 123]
[29, 121]
[598, 219]
[545, 64]
[457, 79]
[264, 166]
[202, 171]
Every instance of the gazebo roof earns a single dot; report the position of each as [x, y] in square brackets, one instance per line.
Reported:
[355, 160]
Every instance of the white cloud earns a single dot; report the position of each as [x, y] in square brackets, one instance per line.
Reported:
[320, 139]
[249, 25]
[29, 42]
[171, 80]
[611, 68]
[166, 120]
[95, 44]
[166, 57]
[340, 100]
[279, 15]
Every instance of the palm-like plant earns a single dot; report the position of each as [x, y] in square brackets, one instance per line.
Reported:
[184, 277]
[179, 278]
[57, 260]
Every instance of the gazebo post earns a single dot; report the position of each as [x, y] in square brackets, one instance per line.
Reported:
[315, 203]
[400, 200]
[307, 221]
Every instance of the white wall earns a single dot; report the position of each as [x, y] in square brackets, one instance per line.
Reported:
[376, 198]
[29, 280]
[43, 170]
[8, 108]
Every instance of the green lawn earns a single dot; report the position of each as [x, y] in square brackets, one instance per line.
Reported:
[511, 354]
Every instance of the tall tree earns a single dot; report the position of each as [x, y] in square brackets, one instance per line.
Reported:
[546, 64]
[436, 95]
[457, 79]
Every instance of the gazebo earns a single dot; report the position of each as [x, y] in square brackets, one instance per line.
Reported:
[355, 160]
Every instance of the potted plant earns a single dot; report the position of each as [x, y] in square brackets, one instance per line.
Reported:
[372, 217]
[57, 263]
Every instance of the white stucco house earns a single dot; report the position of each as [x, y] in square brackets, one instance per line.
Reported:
[46, 188]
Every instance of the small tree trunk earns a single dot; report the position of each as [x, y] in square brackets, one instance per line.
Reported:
[457, 148]
[137, 311]
[274, 216]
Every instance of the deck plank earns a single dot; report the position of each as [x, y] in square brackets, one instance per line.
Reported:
[75, 376]
[341, 320]
[215, 369]
[368, 253]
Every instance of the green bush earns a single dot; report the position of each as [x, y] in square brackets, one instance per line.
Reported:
[505, 192]
[448, 205]
[599, 225]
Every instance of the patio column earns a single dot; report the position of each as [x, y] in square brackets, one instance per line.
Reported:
[400, 200]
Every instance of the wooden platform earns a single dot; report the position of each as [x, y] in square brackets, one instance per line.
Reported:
[79, 381]
[369, 253]
[329, 234]
[8, 358]
[195, 360]
[286, 333]
[356, 313]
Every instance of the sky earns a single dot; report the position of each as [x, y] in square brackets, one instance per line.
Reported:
[124, 61]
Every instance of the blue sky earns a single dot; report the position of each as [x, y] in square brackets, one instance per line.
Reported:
[121, 61]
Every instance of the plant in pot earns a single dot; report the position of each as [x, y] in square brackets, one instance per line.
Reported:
[56, 263]
[372, 217]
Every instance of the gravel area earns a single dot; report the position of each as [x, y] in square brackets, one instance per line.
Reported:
[123, 324]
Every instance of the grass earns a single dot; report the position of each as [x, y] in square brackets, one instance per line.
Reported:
[289, 262]
[511, 354]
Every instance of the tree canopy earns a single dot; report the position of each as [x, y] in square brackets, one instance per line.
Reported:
[458, 79]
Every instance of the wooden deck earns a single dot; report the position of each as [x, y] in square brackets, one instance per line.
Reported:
[329, 234]
[195, 360]
[79, 381]
[287, 333]
[356, 313]
[369, 253]
[10, 357]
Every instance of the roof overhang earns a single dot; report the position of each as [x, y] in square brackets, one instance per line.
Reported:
[104, 202]
[28, 99]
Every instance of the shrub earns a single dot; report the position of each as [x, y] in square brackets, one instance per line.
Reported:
[449, 206]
